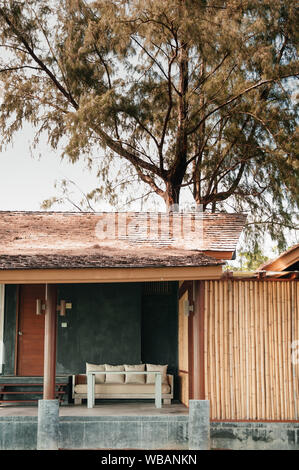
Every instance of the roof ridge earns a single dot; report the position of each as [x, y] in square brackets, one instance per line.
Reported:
[120, 212]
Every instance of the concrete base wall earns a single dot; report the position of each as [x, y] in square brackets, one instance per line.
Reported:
[147, 432]
[255, 436]
[107, 432]
[124, 432]
[18, 433]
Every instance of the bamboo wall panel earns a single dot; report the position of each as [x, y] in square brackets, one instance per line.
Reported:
[249, 330]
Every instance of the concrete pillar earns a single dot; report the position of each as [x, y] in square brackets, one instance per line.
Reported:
[199, 424]
[48, 425]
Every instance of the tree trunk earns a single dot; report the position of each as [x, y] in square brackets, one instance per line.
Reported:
[199, 139]
[172, 198]
[177, 172]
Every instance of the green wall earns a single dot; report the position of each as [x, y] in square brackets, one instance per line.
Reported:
[116, 324]
[102, 327]
[108, 323]
[159, 328]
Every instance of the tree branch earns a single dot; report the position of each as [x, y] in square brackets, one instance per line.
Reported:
[202, 81]
[234, 98]
[117, 147]
[11, 69]
[148, 180]
[221, 196]
[169, 109]
[36, 59]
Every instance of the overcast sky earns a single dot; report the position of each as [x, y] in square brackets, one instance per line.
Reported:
[26, 179]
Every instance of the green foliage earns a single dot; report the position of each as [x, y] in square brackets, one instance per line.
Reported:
[249, 260]
[172, 95]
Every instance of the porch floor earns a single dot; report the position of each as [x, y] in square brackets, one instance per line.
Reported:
[104, 408]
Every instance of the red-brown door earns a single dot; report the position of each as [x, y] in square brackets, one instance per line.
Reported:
[31, 327]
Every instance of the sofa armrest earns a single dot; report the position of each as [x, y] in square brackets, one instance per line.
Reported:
[170, 381]
[79, 379]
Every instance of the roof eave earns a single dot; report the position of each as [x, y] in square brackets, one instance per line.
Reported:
[105, 275]
[283, 261]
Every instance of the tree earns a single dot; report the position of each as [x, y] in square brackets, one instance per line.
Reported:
[194, 94]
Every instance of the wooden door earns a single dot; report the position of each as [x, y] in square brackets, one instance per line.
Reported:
[31, 327]
[184, 350]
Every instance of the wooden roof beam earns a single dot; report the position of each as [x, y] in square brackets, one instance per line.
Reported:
[99, 275]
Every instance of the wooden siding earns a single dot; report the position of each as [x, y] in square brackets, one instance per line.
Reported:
[249, 327]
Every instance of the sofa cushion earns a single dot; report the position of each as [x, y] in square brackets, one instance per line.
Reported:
[99, 378]
[114, 378]
[130, 389]
[135, 378]
[150, 378]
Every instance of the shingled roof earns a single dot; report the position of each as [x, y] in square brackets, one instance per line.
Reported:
[30, 240]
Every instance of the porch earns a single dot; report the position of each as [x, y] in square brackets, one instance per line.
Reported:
[117, 425]
[103, 408]
[138, 325]
[130, 425]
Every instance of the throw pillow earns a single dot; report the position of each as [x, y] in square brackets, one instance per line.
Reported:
[135, 378]
[150, 378]
[114, 378]
[99, 378]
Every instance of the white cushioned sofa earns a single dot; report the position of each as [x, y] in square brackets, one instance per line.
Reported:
[129, 386]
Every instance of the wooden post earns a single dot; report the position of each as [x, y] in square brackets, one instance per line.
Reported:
[198, 342]
[48, 408]
[2, 292]
[50, 343]
[190, 343]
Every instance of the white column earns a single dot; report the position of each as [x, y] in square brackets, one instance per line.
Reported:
[158, 390]
[2, 293]
[90, 390]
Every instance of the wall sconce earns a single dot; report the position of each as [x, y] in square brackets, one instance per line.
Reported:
[187, 308]
[40, 307]
[61, 308]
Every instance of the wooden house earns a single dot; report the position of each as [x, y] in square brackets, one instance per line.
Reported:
[145, 287]
[285, 263]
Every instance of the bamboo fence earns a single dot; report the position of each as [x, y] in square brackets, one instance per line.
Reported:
[251, 356]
